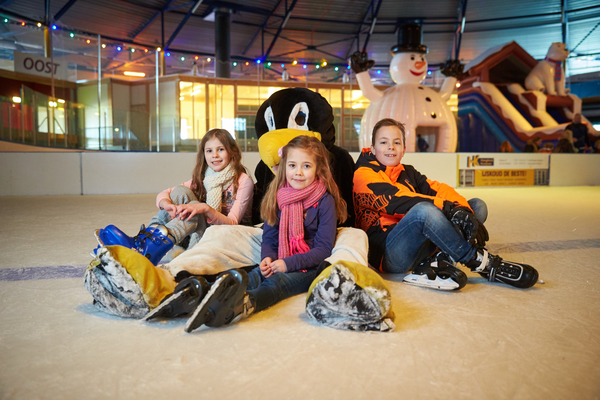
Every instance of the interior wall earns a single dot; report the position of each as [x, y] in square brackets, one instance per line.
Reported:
[119, 173]
[38, 174]
[57, 173]
[574, 170]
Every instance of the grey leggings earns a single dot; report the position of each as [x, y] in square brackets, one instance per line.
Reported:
[180, 229]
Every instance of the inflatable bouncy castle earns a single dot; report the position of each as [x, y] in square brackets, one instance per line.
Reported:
[494, 105]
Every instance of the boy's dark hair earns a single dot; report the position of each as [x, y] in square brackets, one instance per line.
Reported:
[388, 122]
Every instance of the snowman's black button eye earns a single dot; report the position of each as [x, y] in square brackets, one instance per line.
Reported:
[427, 98]
[421, 87]
[300, 118]
[433, 115]
[412, 58]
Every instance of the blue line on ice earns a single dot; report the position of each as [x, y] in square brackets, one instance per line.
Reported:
[36, 273]
[76, 271]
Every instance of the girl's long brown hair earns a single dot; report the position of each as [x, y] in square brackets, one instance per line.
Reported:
[311, 145]
[235, 159]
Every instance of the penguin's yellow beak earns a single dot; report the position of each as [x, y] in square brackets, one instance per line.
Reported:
[270, 143]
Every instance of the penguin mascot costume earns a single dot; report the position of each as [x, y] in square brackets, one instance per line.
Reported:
[304, 110]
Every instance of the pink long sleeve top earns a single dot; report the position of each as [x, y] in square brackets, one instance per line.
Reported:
[234, 209]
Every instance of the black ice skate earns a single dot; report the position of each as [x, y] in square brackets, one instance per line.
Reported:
[494, 268]
[185, 299]
[437, 272]
[226, 302]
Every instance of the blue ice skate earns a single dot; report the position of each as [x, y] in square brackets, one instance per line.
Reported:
[152, 242]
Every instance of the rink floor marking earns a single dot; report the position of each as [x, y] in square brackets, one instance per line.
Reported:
[39, 273]
[549, 245]
[76, 271]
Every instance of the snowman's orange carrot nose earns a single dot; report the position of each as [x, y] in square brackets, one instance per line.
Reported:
[420, 64]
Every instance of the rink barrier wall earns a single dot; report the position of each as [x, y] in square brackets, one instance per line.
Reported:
[86, 173]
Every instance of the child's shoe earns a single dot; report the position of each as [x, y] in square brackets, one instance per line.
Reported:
[437, 272]
[185, 299]
[112, 235]
[152, 242]
[494, 268]
[226, 302]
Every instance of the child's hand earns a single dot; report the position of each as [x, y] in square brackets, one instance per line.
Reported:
[278, 266]
[169, 207]
[187, 211]
[265, 268]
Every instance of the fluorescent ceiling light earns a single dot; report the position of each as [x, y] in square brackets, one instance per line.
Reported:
[131, 73]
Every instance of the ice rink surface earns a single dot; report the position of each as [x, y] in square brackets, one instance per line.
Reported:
[487, 341]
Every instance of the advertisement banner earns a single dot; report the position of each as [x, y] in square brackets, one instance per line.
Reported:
[503, 169]
[504, 177]
[37, 65]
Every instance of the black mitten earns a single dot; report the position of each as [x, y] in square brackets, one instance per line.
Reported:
[481, 236]
[464, 221]
[359, 62]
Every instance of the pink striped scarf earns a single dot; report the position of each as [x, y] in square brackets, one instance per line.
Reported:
[292, 204]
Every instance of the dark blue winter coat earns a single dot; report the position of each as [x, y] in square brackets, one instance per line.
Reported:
[320, 229]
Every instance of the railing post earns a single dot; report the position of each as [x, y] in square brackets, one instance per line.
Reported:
[173, 135]
[66, 132]
[52, 109]
[105, 131]
[1, 120]
[48, 122]
[197, 137]
[22, 114]
[10, 122]
[127, 129]
[34, 117]
[99, 92]
[157, 105]
[149, 132]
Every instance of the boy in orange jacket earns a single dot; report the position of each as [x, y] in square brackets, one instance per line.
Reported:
[422, 225]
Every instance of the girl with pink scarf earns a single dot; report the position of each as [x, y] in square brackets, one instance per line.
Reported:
[301, 209]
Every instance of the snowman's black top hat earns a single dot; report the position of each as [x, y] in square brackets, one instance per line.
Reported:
[411, 39]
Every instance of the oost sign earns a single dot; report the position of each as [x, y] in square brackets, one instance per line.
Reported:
[37, 65]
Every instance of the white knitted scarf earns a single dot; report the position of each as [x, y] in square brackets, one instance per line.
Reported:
[215, 184]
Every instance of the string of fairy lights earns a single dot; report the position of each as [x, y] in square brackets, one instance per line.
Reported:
[183, 57]
[180, 59]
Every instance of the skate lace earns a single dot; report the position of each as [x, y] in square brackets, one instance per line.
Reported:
[484, 262]
[489, 265]
[140, 239]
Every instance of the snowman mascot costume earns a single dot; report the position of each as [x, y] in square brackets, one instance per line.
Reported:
[407, 101]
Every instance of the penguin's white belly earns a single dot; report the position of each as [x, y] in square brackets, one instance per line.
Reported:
[414, 105]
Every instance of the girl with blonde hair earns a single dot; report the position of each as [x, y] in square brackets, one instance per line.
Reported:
[301, 209]
[219, 193]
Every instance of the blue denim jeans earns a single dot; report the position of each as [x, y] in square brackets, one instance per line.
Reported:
[422, 229]
[270, 291]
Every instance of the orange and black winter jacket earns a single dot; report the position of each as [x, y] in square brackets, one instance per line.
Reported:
[383, 195]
